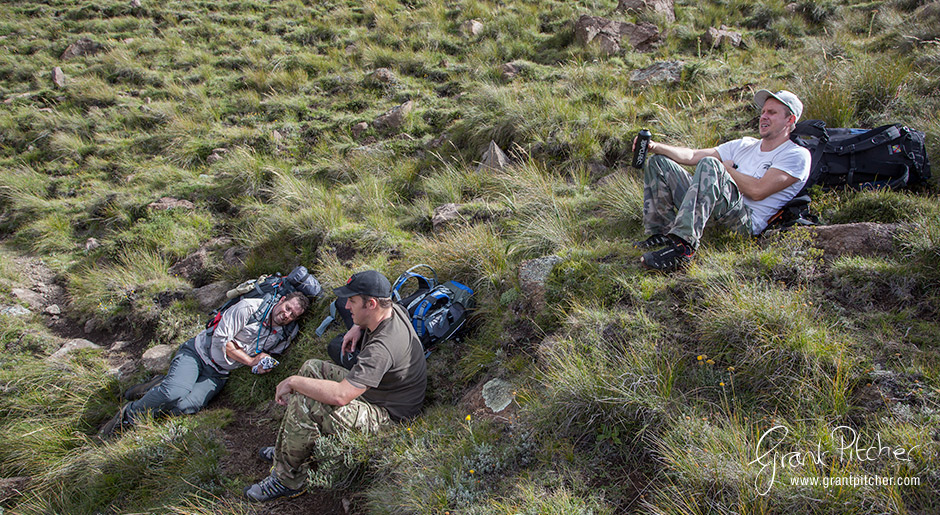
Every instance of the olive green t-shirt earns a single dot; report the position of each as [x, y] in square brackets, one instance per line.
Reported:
[391, 364]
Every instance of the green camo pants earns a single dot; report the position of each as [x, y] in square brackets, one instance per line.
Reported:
[680, 204]
[306, 420]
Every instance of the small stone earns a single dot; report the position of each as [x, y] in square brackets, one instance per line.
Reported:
[498, 394]
[15, 311]
[83, 46]
[664, 72]
[444, 214]
[119, 345]
[31, 298]
[72, 346]
[125, 370]
[53, 309]
[359, 128]
[532, 276]
[135, 3]
[167, 203]
[58, 77]
[508, 71]
[394, 118]
[471, 28]
[494, 158]
[92, 244]
[382, 76]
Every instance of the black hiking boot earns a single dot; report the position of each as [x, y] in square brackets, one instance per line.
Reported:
[270, 488]
[671, 257]
[656, 240]
[266, 453]
[139, 390]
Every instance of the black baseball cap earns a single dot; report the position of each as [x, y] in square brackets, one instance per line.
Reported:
[370, 283]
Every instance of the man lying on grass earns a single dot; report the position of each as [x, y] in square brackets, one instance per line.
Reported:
[386, 384]
[741, 184]
[246, 334]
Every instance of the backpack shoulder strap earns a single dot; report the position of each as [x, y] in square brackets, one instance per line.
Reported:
[425, 283]
[816, 129]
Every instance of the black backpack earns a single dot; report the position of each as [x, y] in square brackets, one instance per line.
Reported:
[891, 156]
[438, 311]
[271, 288]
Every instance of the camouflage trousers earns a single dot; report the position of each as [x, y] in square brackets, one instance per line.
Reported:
[680, 204]
[307, 419]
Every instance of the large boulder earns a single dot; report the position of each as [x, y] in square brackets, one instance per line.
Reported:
[157, 358]
[664, 7]
[612, 35]
[72, 346]
[663, 72]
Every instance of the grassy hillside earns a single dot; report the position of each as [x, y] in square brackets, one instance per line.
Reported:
[634, 392]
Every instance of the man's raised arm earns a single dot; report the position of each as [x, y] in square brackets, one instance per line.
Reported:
[682, 155]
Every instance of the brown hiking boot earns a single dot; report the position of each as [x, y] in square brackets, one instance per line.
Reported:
[116, 424]
[139, 390]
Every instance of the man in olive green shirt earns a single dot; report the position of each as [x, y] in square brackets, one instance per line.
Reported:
[386, 384]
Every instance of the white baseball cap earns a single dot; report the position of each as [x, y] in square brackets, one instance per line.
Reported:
[785, 97]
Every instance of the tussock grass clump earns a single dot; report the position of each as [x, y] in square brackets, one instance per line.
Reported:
[123, 289]
[135, 469]
[475, 255]
[861, 281]
[782, 351]
[881, 206]
[610, 366]
[47, 408]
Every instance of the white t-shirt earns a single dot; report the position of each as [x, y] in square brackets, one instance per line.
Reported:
[234, 326]
[789, 158]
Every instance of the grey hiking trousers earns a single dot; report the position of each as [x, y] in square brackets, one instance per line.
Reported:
[188, 386]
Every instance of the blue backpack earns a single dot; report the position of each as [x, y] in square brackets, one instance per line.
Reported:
[438, 311]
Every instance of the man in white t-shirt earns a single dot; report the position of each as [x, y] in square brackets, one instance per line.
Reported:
[740, 184]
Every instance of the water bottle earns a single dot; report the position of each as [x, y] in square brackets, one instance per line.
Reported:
[640, 148]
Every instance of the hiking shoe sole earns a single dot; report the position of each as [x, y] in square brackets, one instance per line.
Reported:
[669, 258]
[270, 488]
[656, 240]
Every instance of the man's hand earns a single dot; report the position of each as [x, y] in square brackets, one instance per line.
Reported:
[351, 339]
[283, 389]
